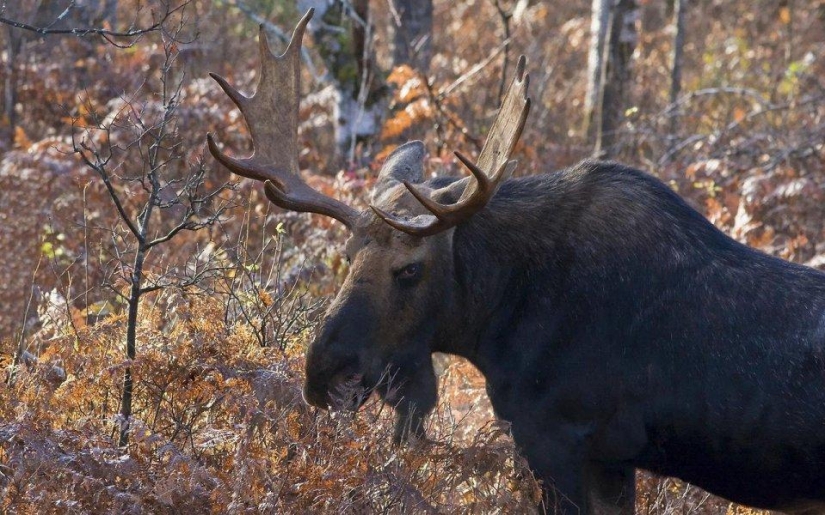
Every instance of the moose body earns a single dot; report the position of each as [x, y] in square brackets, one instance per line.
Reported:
[616, 327]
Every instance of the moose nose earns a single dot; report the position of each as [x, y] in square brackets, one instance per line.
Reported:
[316, 395]
[328, 366]
[332, 360]
[316, 382]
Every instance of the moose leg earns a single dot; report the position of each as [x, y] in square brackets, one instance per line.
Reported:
[590, 490]
[562, 472]
[611, 489]
[563, 493]
[575, 485]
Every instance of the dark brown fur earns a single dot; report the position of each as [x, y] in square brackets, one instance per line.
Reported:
[616, 327]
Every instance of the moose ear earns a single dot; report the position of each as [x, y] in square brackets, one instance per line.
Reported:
[405, 163]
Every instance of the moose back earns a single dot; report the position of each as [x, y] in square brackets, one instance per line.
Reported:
[616, 327]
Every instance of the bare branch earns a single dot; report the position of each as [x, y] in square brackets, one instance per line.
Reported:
[100, 169]
[443, 92]
[106, 34]
[505, 16]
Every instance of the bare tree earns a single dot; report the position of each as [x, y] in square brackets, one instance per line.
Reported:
[14, 40]
[411, 33]
[599, 18]
[613, 40]
[505, 15]
[45, 18]
[173, 201]
[676, 60]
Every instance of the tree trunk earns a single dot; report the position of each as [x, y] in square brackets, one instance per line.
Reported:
[620, 42]
[411, 30]
[676, 71]
[131, 345]
[600, 15]
[343, 37]
[13, 39]
[24, 12]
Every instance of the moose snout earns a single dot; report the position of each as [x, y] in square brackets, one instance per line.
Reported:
[316, 394]
[338, 390]
[332, 376]
[334, 371]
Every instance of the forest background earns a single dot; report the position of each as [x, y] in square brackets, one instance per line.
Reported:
[155, 310]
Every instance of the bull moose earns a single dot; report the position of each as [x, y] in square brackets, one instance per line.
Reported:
[615, 326]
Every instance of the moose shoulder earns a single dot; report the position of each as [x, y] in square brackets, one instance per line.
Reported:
[616, 327]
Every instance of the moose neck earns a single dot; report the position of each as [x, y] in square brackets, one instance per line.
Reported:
[552, 250]
[495, 256]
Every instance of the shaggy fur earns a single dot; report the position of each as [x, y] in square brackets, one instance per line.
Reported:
[616, 328]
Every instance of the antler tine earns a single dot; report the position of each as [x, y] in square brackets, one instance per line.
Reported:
[446, 212]
[238, 98]
[272, 117]
[493, 166]
[449, 215]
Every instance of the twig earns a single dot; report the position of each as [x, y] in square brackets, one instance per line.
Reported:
[472, 72]
[453, 120]
[106, 34]
[18, 353]
[505, 21]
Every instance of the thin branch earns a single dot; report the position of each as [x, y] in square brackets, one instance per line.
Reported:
[185, 225]
[764, 108]
[92, 31]
[505, 20]
[21, 343]
[443, 92]
[677, 59]
[104, 176]
[451, 118]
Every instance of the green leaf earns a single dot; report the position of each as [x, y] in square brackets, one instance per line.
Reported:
[48, 249]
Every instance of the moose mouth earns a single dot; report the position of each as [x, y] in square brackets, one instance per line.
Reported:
[350, 394]
[346, 390]
[343, 391]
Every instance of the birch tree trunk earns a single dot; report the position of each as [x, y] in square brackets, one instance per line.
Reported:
[619, 43]
[600, 15]
[677, 58]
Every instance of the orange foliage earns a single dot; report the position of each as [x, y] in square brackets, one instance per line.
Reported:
[219, 424]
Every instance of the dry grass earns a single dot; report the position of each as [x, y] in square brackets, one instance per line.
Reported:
[219, 425]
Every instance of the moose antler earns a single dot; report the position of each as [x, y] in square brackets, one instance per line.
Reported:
[493, 166]
[272, 117]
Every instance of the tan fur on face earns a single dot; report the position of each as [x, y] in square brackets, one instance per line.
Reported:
[377, 252]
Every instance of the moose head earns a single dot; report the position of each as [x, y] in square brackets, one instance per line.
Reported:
[395, 307]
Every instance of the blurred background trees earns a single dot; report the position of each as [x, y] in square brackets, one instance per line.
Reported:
[723, 100]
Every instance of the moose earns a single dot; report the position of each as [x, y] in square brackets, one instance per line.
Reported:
[615, 326]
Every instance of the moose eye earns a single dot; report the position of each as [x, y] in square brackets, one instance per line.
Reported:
[408, 275]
